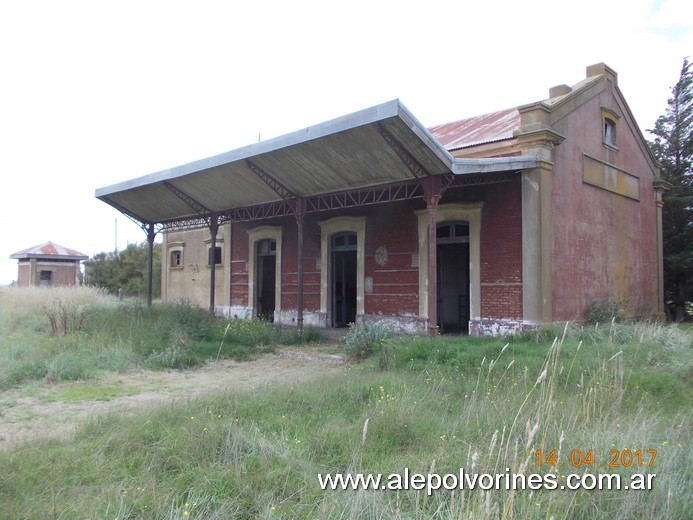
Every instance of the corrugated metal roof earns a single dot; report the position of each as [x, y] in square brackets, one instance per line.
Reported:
[49, 250]
[486, 128]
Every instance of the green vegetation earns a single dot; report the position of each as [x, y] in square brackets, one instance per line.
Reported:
[486, 405]
[72, 334]
[362, 340]
[673, 148]
[126, 269]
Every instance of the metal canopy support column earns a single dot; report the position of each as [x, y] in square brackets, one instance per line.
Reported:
[433, 191]
[300, 214]
[213, 229]
[150, 230]
[150, 261]
[298, 205]
[433, 187]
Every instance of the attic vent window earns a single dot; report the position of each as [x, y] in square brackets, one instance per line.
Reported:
[609, 125]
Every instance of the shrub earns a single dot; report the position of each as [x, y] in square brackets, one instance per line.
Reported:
[196, 321]
[167, 358]
[604, 311]
[362, 340]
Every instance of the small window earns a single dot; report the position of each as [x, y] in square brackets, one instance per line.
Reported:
[453, 233]
[610, 128]
[175, 254]
[267, 247]
[345, 241]
[215, 255]
[609, 132]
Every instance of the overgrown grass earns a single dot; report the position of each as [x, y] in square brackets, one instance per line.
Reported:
[485, 405]
[72, 334]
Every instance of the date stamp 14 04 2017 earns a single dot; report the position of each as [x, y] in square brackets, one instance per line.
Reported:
[624, 458]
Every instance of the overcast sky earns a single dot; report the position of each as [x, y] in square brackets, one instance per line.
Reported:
[93, 93]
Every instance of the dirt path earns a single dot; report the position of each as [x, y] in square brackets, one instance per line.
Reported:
[47, 411]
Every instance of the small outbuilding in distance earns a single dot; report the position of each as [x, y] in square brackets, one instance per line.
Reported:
[491, 225]
[48, 265]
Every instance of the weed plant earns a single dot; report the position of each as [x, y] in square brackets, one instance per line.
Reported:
[364, 339]
[68, 334]
[485, 405]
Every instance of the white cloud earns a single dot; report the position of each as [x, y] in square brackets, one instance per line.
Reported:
[95, 94]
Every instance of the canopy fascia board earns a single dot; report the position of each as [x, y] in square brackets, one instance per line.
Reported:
[493, 164]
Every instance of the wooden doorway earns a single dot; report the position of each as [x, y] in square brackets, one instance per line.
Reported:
[265, 274]
[343, 248]
[453, 277]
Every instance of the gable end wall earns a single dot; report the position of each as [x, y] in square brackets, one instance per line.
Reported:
[604, 243]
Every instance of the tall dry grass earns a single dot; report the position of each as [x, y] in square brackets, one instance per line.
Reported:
[478, 404]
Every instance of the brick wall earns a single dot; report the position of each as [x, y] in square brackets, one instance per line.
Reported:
[391, 245]
[63, 274]
[311, 265]
[501, 252]
[239, 265]
[501, 246]
[391, 255]
[23, 274]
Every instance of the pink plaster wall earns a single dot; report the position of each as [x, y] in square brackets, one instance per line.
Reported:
[604, 244]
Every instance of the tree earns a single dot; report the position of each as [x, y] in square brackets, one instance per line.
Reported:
[673, 147]
[126, 269]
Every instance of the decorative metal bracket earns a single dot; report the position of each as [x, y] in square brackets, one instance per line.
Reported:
[415, 167]
[195, 205]
[141, 223]
[281, 190]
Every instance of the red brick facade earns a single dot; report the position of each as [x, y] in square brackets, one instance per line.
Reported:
[578, 223]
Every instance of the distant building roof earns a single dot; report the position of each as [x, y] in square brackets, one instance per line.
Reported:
[50, 251]
[487, 128]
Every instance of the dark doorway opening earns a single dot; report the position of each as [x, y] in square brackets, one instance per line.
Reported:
[265, 274]
[453, 277]
[343, 248]
[46, 279]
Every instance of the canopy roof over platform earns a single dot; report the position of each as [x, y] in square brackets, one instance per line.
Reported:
[376, 147]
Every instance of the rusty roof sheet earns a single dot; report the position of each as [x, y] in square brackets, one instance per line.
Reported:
[487, 128]
[49, 250]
